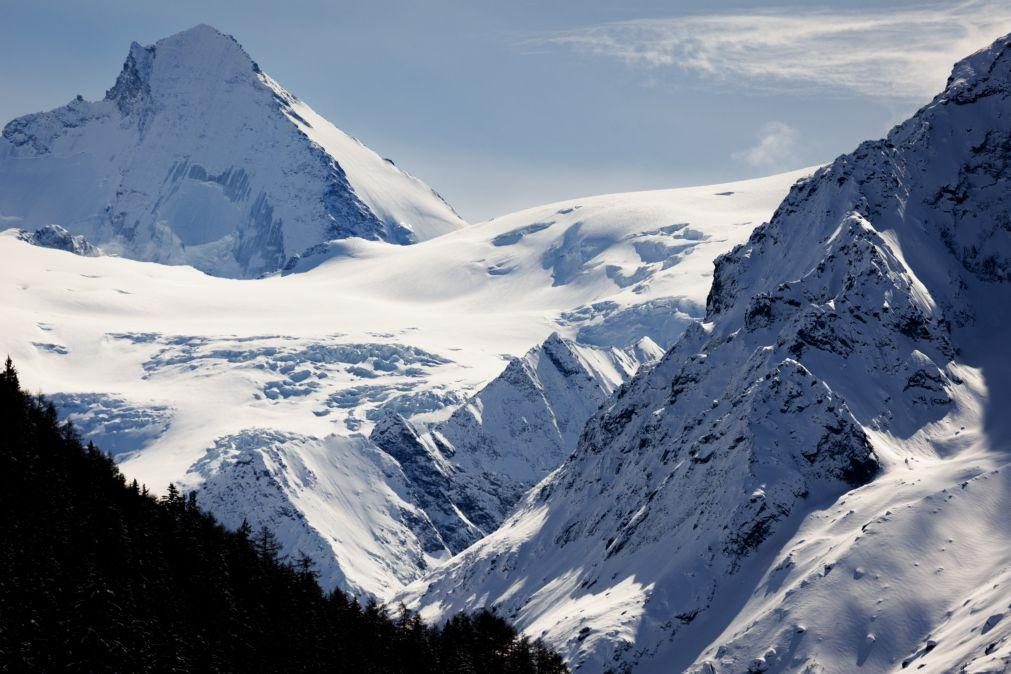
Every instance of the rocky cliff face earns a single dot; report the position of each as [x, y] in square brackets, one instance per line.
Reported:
[468, 471]
[54, 236]
[842, 346]
[195, 156]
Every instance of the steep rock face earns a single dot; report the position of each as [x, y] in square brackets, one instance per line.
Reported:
[524, 424]
[468, 471]
[195, 156]
[430, 485]
[845, 340]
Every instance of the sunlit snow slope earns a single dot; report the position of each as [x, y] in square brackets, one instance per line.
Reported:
[817, 477]
[195, 156]
[262, 392]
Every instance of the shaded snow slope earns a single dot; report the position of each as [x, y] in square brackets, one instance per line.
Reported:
[261, 391]
[816, 477]
[473, 467]
[195, 156]
[523, 424]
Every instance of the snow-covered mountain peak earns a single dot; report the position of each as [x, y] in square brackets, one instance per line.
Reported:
[942, 170]
[195, 156]
[181, 66]
[985, 71]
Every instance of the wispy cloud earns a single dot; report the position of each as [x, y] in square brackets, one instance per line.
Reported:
[777, 145]
[899, 53]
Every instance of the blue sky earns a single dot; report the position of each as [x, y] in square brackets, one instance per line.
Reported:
[503, 105]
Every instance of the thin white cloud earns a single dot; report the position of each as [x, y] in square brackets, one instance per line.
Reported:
[900, 53]
[776, 146]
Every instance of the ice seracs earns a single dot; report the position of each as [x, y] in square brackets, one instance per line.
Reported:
[195, 156]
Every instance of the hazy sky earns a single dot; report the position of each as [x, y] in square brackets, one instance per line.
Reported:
[504, 105]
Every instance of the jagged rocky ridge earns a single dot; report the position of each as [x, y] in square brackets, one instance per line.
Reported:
[522, 425]
[196, 156]
[374, 512]
[468, 471]
[858, 338]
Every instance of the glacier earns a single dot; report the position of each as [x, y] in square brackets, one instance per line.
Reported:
[275, 398]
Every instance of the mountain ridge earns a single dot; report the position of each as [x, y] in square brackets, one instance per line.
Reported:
[844, 385]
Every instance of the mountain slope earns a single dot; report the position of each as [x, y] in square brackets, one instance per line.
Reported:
[195, 156]
[524, 423]
[472, 468]
[815, 477]
[263, 393]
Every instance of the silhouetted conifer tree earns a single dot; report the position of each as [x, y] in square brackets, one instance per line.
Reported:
[97, 576]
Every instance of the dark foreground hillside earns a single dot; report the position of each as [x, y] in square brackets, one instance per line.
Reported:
[98, 576]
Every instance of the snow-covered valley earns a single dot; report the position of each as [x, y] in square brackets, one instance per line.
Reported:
[262, 393]
[796, 460]
[340, 399]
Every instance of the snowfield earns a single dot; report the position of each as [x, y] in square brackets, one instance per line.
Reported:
[262, 393]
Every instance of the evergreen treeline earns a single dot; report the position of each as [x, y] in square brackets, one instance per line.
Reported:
[98, 576]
